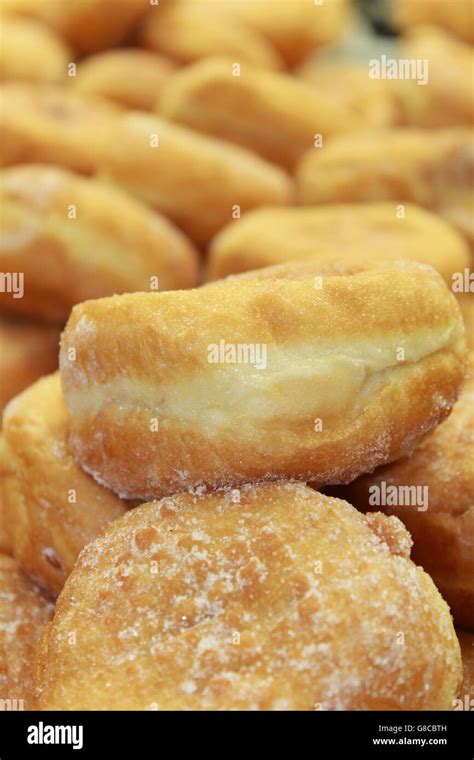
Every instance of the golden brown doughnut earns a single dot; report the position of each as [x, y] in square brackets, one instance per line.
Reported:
[373, 102]
[75, 238]
[27, 351]
[367, 231]
[131, 77]
[5, 543]
[431, 168]
[51, 507]
[261, 378]
[295, 28]
[198, 181]
[466, 641]
[187, 31]
[440, 513]
[88, 25]
[45, 123]
[271, 597]
[448, 97]
[456, 17]
[24, 611]
[271, 113]
[31, 52]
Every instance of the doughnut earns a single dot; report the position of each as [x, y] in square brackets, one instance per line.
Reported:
[131, 77]
[31, 52]
[27, 351]
[75, 238]
[431, 168]
[372, 102]
[447, 99]
[5, 543]
[270, 236]
[271, 113]
[456, 17]
[198, 181]
[271, 597]
[256, 378]
[188, 31]
[295, 28]
[440, 513]
[24, 611]
[466, 641]
[47, 123]
[88, 25]
[51, 507]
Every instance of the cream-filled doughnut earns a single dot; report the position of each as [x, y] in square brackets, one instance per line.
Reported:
[283, 374]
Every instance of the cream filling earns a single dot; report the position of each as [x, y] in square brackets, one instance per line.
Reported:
[299, 381]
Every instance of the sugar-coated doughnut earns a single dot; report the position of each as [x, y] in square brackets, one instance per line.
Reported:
[466, 641]
[374, 102]
[188, 30]
[447, 98]
[198, 181]
[456, 17]
[52, 508]
[254, 378]
[88, 25]
[271, 597]
[31, 52]
[432, 492]
[24, 611]
[466, 302]
[46, 123]
[271, 113]
[129, 76]
[366, 231]
[74, 238]
[295, 28]
[430, 168]
[27, 351]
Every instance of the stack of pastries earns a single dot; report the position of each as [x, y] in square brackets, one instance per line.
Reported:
[236, 360]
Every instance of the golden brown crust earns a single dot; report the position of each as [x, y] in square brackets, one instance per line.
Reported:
[365, 231]
[466, 641]
[199, 182]
[466, 302]
[45, 123]
[31, 52]
[442, 524]
[230, 383]
[87, 26]
[373, 102]
[27, 351]
[5, 542]
[270, 597]
[447, 98]
[24, 611]
[455, 17]
[188, 31]
[273, 114]
[51, 507]
[74, 238]
[430, 168]
[131, 77]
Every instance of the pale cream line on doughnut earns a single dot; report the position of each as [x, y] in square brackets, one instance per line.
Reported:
[297, 372]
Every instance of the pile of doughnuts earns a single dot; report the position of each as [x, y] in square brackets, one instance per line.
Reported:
[236, 358]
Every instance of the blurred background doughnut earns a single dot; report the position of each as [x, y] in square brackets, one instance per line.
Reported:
[24, 611]
[131, 77]
[456, 17]
[51, 507]
[74, 238]
[442, 526]
[365, 231]
[31, 52]
[270, 597]
[27, 351]
[261, 378]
